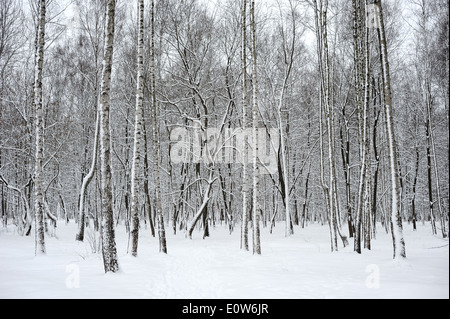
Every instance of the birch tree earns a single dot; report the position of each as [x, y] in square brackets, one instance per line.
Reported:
[86, 181]
[289, 50]
[399, 250]
[233, 71]
[244, 225]
[362, 79]
[39, 129]
[86, 60]
[255, 115]
[135, 170]
[109, 250]
[326, 111]
[156, 140]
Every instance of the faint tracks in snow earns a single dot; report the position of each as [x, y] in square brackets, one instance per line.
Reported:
[187, 274]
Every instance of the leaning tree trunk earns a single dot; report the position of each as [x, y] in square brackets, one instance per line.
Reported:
[205, 200]
[39, 122]
[86, 181]
[396, 218]
[109, 249]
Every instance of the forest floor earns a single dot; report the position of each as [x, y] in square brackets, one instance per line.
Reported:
[297, 267]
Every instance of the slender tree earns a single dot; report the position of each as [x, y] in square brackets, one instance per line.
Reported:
[255, 112]
[86, 181]
[156, 139]
[244, 225]
[39, 129]
[137, 131]
[109, 250]
[289, 50]
[364, 133]
[396, 218]
[326, 113]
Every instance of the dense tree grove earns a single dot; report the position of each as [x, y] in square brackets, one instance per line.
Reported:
[143, 113]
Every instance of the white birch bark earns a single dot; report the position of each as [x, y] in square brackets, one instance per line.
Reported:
[156, 145]
[327, 110]
[364, 145]
[205, 201]
[329, 113]
[318, 23]
[366, 142]
[322, 47]
[396, 219]
[109, 250]
[86, 181]
[244, 226]
[39, 128]
[135, 169]
[284, 150]
[255, 219]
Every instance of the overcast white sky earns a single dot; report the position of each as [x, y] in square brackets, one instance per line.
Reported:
[71, 15]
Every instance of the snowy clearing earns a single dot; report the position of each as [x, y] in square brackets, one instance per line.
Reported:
[298, 267]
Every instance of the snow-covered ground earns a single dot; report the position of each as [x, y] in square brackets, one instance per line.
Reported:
[298, 267]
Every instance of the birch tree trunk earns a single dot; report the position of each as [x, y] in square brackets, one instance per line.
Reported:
[289, 61]
[319, 37]
[396, 218]
[364, 144]
[148, 201]
[137, 132]
[255, 219]
[86, 181]
[109, 249]
[327, 109]
[205, 200]
[156, 145]
[329, 125]
[345, 154]
[376, 155]
[430, 176]
[244, 226]
[39, 129]
[413, 200]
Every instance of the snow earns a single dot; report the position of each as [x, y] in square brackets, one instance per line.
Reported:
[298, 267]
